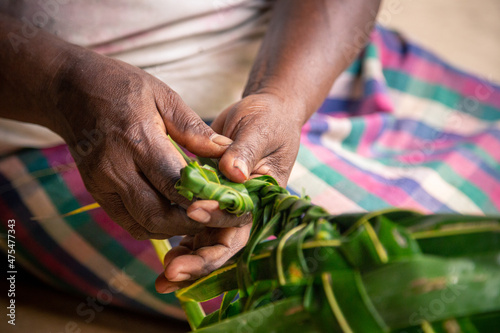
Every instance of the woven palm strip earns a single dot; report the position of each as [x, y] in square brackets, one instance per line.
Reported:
[386, 271]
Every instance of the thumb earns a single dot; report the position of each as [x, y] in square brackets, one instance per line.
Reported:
[241, 157]
[190, 131]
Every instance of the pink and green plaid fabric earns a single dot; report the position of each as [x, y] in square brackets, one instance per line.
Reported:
[399, 128]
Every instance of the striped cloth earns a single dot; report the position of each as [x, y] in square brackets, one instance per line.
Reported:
[399, 128]
[402, 128]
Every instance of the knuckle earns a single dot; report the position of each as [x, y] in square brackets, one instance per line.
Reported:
[113, 207]
[95, 182]
[198, 126]
[152, 220]
[281, 177]
[163, 174]
[190, 124]
[208, 265]
[167, 185]
[138, 233]
[247, 152]
[136, 132]
[168, 103]
[228, 220]
[102, 167]
[170, 98]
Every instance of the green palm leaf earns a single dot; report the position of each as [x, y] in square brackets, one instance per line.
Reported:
[387, 271]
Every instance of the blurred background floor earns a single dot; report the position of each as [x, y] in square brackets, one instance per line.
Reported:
[465, 33]
[42, 309]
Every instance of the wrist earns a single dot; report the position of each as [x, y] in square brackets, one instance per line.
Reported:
[32, 69]
[290, 106]
[63, 91]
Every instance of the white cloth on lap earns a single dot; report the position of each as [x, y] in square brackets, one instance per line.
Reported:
[201, 49]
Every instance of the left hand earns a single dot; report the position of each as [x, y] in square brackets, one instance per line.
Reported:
[266, 133]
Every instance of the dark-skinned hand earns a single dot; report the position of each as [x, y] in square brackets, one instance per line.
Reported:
[116, 120]
[266, 142]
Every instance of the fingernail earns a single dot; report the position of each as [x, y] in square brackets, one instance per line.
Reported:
[200, 215]
[169, 289]
[221, 140]
[182, 277]
[242, 167]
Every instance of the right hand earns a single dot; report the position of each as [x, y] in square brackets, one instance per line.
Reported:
[115, 119]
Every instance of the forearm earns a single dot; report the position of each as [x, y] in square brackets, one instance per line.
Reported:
[307, 45]
[29, 65]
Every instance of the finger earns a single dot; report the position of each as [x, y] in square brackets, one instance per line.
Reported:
[163, 170]
[208, 213]
[152, 210]
[225, 243]
[165, 286]
[114, 208]
[205, 211]
[161, 164]
[251, 144]
[188, 241]
[175, 252]
[163, 283]
[187, 128]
